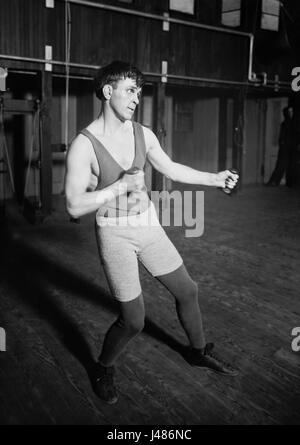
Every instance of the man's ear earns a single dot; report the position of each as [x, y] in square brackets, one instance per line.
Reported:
[107, 91]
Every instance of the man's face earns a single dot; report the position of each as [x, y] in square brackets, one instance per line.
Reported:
[125, 98]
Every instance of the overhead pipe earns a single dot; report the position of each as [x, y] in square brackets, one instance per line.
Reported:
[94, 67]
[59, 63]
[149, 74]
[205, 79]
[73, 77]
[44, 61]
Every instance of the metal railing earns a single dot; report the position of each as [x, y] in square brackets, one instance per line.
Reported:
[271, 83]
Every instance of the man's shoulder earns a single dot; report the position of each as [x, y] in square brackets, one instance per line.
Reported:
[81, 147]
[147, 131]
[81, 141]
[149, 136]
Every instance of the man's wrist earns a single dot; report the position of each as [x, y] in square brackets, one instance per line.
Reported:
[121, 187]
[214, 180]
[104, 196]
[112, 192]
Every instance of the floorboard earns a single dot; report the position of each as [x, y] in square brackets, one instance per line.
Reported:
[56, 308]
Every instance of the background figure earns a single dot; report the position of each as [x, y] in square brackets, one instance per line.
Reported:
[287, 151]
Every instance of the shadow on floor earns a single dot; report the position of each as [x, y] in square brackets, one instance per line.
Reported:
[32, 274]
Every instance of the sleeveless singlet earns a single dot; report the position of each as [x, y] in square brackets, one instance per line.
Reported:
[111, 171]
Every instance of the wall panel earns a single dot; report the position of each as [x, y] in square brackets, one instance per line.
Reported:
[111, 36]
[23, 28]
[195, 139]
[99, 36]
[190, 51]
[202, 53]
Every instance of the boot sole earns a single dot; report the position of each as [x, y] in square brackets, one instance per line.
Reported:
[224, 374]
[111, 402]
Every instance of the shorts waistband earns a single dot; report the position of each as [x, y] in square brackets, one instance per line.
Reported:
[146, 219]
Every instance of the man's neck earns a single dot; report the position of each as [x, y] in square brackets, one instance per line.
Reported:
[109, 124]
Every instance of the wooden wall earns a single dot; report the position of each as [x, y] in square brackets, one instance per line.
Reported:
[196, 131]
[100, 36]
[263, 120]
[255, 128]
[23, 27]
[274, 119]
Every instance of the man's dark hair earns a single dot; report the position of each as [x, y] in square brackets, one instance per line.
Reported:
[115, 71]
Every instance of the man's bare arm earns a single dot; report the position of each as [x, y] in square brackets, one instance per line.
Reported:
[181, 173]
[80, 202]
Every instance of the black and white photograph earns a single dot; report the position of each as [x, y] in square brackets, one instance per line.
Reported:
[149, 215]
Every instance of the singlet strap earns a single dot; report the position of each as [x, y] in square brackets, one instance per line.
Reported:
[95, 143]
[140, 141]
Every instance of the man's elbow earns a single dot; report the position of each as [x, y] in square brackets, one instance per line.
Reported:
[171, 172]
[73, 213]
[72, 208]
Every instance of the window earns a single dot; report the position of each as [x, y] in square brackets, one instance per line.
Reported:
[231, 13]
[186, 6]
[270, 15]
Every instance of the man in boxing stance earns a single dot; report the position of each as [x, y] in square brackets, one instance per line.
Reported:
[105, 175]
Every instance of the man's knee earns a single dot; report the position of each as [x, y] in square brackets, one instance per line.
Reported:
[193, 289]
[190, 293]
[133, 316]
[134, 325]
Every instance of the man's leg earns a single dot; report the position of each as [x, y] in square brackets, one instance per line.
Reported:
[128, 325]
[185, 291]
[280, 168]
[159, 254]
[117, 249]
[291, 173]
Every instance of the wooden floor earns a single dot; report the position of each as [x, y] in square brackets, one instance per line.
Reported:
[55, 307]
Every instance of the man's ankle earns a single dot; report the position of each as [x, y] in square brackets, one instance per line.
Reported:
[104, 383]
[207, 360]
[105, 363]
[199, 350]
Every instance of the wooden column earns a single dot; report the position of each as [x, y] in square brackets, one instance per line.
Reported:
[223, 131]
[19, 156]
[239, 133]
[160, 129]
[46, 150]
[295, 103]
